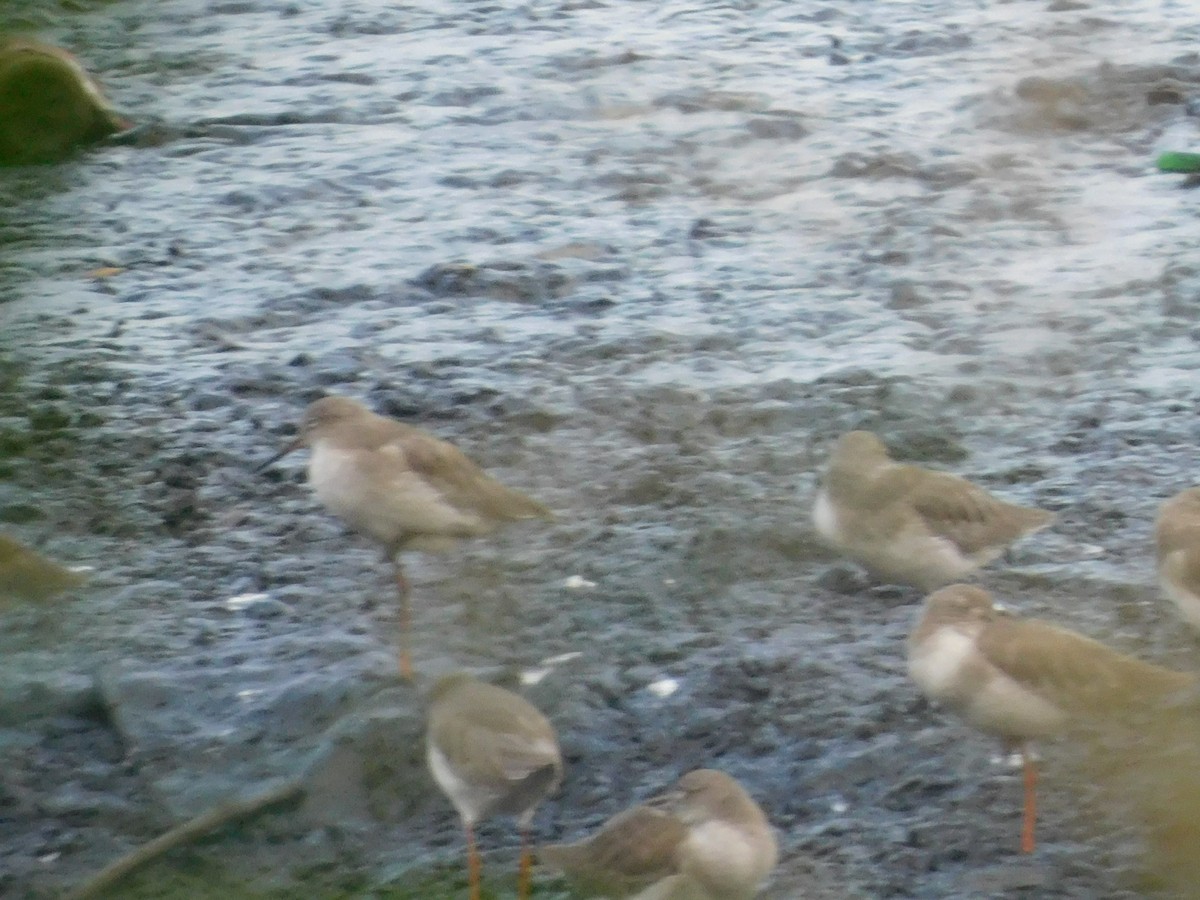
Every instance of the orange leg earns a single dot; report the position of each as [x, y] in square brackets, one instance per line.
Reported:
[525, 874]
[403, 588]
[1030, 801]
[474, 866]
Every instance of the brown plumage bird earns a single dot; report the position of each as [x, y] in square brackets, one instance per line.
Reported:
[1022, 679]
[492, 753]
[48, 104]
[401, 486]
[912, 525]
[1177, 539]
[705, 839]
[26, 575]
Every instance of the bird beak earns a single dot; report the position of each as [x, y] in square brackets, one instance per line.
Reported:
[294, 445]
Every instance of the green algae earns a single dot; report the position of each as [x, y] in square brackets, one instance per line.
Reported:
[193, 877]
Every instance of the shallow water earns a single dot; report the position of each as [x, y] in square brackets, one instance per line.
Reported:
[645, 261]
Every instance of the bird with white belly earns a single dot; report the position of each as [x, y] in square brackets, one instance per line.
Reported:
[492, 753]
[912, 525]
[1024, 679]
[704, 839]
[1177, 540]
[401, 486]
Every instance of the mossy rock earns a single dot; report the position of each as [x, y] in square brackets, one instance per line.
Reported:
[13, 443]
[48, 104]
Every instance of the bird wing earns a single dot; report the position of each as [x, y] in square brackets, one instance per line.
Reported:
[525, 770]
[511, 770]
[968, 515]
[500, 748]
[390, 499]
[462, 483]
[631, 851]
[517, 756]
[1073, 672]
[641, 843]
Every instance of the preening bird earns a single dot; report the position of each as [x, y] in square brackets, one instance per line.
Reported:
[704, 839]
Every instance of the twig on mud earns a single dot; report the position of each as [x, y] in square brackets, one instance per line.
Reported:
[184, 833]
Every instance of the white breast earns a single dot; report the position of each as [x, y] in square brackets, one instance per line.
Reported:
[726, 860]
[389, 503]
[948, 667]
[938, 664]
[825, 517]
[1188, 602]
[337, 480]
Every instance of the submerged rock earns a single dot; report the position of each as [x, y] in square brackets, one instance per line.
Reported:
[48, 104]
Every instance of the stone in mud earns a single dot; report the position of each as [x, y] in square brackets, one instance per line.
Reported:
[777, 128]
[145, 707]
[26, 696]
[1168, 91]
[905, 295]
[926, 43]
[514, 281]
[371, 765]
[882, 165]
[843, 579]
[1107, 98]
[48, 104]
[696, 100]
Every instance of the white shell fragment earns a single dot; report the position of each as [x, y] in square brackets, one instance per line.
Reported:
[241, 601]
[664, 687]
[546, 666]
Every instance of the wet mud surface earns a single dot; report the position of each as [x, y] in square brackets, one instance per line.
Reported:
[644, 263]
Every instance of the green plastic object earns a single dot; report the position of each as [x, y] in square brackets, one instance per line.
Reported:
[1187, 163]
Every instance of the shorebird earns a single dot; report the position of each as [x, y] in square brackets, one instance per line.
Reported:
[29, 576]
[1177, 537]
[705, 839]
[1023, 679]
[913, 525]
[48, 104]
[492, 753]
[400, 486]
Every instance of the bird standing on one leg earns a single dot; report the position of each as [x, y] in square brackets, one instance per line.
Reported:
[492, 753]
[401, 486]
[1023, 679]
[912, 525]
